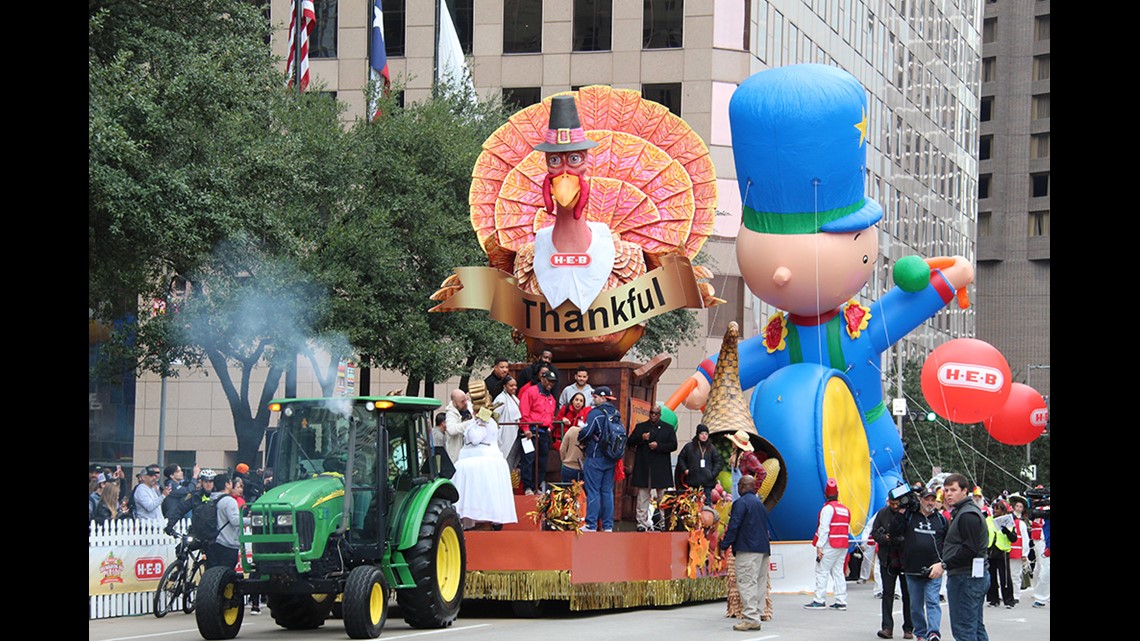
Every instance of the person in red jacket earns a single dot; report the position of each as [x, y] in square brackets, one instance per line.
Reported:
[830, 543]
[536, 406]
[571, 414]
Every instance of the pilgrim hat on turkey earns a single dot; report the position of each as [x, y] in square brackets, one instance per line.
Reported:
[564, 131]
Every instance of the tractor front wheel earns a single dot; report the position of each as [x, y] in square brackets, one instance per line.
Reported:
[365, 607]
[219, 610]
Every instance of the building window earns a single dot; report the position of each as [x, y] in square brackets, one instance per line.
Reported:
[989, 69]
[987, 110]
[984, 185]
[985, 147]
[522, 97]
[989, 30]
[394, 15]
[322, 41]
[1039, 223]
[663, 24]
[985, 222]
[1039, 185]
[1041, 28]
[1041, 67]
[463, 16]
[1041, 106]
[668, 94]
[593, 25]
[1039, 145]
[522, 26]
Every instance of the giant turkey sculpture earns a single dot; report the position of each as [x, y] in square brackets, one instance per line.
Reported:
[601, 176]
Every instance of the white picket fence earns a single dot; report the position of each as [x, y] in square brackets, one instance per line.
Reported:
[121, 536]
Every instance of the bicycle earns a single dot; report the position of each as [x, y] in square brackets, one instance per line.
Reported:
[180, 580]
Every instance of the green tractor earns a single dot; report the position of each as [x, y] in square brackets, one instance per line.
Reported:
[357, 509]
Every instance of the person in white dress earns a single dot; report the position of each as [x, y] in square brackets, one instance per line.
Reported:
[482, 476]
[509, 416]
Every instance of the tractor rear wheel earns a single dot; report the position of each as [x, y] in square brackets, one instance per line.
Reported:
[220, 606]
[436, 563]
[365, 607]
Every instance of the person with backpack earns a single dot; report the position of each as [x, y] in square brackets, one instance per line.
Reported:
[605, 440]
[222, 551]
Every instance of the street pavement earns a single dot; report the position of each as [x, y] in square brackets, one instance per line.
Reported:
[483, 621]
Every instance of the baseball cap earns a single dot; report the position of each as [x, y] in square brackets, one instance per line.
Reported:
[152, 470]
[927, 492]
[605, 391]
[242, 468]
[550, 376]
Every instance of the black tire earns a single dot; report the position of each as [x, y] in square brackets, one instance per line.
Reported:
[171, 587]
[191, 589]
[300, 611]
[437, 563]
[219, 611]
[365, 603]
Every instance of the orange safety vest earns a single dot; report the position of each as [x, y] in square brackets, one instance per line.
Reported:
[840, 526]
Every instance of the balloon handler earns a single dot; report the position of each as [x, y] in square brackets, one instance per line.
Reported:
[807, 246]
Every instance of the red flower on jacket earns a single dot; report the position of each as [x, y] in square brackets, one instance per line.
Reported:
[775, 332]
[857, 317]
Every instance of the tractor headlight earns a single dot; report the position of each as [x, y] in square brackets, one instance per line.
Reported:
[257, 520]
[285, 520]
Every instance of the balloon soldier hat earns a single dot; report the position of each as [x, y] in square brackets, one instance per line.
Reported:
[799, 137]
[564, 132]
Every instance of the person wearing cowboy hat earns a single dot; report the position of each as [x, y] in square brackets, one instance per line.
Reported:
[743, 461]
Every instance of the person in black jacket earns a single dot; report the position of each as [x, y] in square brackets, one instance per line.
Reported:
[889, 532]
[699, 463]
[922, 549]
[964, 561]
[652, 442]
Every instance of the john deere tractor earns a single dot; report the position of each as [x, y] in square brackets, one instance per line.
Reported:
[357, 510]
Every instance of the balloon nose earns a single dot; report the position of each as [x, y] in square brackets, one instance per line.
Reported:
[781, 276]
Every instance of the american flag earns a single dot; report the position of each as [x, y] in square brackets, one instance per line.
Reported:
[377, 56]
[308, 21]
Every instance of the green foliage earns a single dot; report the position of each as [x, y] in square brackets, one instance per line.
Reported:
[667, 333]
[955, 447]
[405, 227]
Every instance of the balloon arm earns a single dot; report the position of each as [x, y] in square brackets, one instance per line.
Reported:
[946, 262]
[682, 392]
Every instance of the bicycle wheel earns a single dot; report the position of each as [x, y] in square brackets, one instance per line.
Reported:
[191, 586]
[171, 588]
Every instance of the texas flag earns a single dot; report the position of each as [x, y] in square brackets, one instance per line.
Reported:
[377, 57]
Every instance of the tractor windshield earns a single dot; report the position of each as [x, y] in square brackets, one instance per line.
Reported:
[313, 438]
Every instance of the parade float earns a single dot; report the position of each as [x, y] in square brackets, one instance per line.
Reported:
[591, 206]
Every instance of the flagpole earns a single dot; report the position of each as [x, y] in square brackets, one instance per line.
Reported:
[438, 20]
[297, 22]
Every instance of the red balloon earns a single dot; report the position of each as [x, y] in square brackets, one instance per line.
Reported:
[965, 380]
[1021, 419]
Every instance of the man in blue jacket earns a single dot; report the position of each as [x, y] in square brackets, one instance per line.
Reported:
[747, 535]
[597, 467]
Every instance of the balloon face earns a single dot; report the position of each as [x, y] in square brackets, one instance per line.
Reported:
[965, 380]
[1021, 419]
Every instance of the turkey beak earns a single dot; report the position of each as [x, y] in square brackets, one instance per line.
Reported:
[566, 190]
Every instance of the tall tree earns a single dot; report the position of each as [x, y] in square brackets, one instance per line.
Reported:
[203, 167]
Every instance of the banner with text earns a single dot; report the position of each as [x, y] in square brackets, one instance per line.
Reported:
[671, 286]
